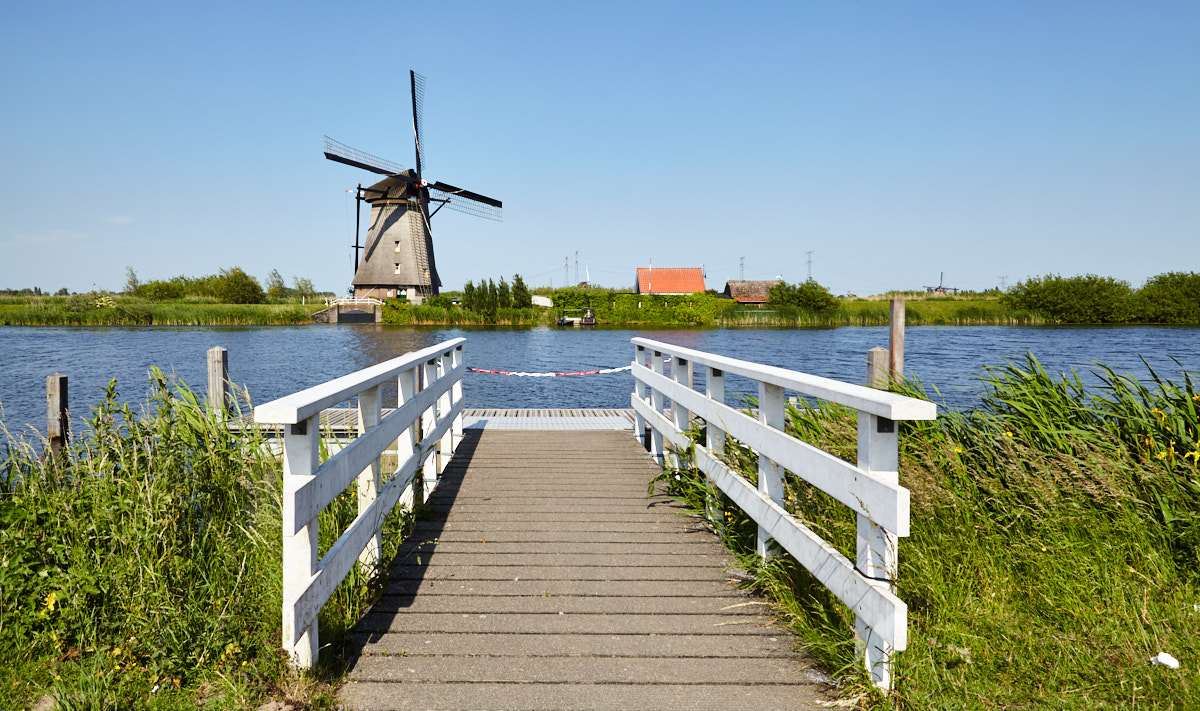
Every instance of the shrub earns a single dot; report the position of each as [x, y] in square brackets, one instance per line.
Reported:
[1078, 299]
[235, 286]
[808, 295]
[1173, 297]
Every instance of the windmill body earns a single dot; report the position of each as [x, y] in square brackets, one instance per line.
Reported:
[397, 259]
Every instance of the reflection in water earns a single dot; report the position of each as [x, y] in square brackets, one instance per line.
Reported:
[275, 361]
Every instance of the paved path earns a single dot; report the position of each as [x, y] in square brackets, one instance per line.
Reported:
[547, 580]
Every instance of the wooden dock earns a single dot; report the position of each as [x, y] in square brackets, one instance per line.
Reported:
[547, 579]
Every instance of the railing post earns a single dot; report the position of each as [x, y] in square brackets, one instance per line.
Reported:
[656, 402]
[681, 373]
[219, 398]
[876, 550]
[58, 423]
[300, 460]
[714, 436]
[770, 473]
[639, 389]
[428, 422]
[406, 446]
[445, 402]
[457, 427]
[369, 479]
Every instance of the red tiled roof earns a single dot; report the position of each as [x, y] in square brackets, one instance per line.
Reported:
[657, 280]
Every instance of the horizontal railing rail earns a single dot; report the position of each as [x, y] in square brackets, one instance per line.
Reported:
[870, 487]
[362, 300]
[425, 427]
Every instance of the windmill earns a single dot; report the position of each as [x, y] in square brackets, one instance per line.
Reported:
[397, 258]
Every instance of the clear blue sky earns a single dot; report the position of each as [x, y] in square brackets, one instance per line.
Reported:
[895, 140]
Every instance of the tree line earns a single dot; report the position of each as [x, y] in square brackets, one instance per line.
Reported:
[229, 286]
[1170, 298]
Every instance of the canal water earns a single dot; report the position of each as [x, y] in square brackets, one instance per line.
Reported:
[275, 361]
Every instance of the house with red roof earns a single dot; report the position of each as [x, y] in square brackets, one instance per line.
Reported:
[657, 280]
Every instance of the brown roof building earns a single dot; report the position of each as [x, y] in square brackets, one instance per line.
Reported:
[687, 280]
[749, 292]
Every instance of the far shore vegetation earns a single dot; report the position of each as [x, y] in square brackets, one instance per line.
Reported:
[235, 298]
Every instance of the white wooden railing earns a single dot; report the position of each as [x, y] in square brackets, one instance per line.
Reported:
[361, 301]
[425, 427]
[870, 488]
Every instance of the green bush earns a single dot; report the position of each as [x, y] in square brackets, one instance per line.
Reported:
[160, 290]
[235, 286]
[1080, 299]
[808, 295]
[1173, 298]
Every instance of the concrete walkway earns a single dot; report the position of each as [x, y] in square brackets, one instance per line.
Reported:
[547, 580]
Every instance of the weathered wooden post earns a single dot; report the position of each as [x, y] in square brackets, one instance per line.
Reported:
[58, 422]
[219, 397]
[896, 340]
[877, 367]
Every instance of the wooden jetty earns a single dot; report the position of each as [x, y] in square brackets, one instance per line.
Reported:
[545, 578]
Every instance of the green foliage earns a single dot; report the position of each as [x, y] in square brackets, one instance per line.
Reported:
[131, 281]
[160, 290]
[235, 286]
[140, 568]
[808, 295]
[1173, 298]
[521, 298]
[1081, 299]
[276, 287]
[616, 308]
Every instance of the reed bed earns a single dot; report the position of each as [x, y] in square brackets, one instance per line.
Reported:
[1055, 546]
[140, 568]
[125, 311]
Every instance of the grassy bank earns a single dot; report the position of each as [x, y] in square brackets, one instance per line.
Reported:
[1055, 547]
[141, 567]
[120, 310]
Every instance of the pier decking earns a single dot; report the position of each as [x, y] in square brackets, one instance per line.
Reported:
[547, 579]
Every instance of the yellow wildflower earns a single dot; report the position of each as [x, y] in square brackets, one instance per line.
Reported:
[1161, 455]
[1162, 416]
[1194, 455]
[51, 601]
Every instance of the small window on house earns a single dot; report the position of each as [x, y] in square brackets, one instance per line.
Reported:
[389, 293]
[397, 245]
[397, 268]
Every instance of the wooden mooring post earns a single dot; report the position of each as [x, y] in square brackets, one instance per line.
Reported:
[886, 365]
[219, 396]
[58, 423]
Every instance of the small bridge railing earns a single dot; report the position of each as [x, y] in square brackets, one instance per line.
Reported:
[362, 301]
[870, 488]
[426, 427]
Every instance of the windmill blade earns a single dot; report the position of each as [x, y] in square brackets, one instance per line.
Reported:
[466, 201]
[342, 153]
[418, 106]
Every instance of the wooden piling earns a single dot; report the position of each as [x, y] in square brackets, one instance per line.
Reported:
[219, 397]
[896, 340]
[58, 425]
[877, 367]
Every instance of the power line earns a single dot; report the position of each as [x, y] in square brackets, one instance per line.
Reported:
[810, 253]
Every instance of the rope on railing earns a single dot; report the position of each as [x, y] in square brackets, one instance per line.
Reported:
[602, 371]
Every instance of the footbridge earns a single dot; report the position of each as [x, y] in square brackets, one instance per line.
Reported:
[541, 575]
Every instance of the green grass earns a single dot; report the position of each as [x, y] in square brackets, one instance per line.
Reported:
[119, 310]
[141, 567]
[1055, 547]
